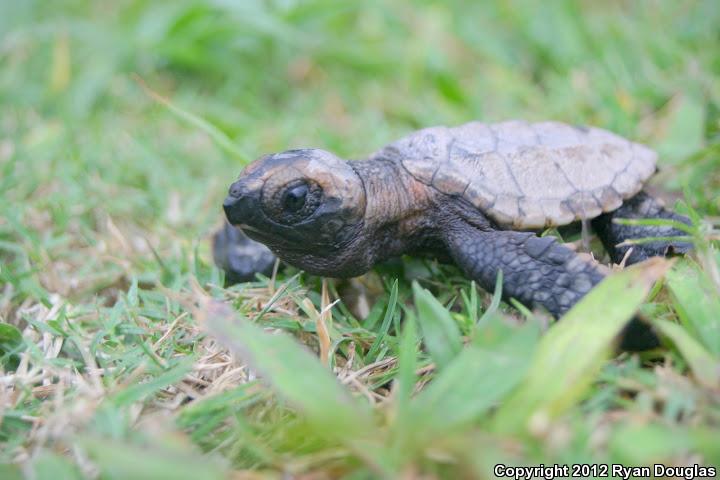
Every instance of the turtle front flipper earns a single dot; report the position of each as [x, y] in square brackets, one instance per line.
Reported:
[641, 206]
[537, 271]
[239, 256]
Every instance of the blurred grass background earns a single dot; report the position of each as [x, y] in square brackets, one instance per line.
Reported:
[107, 201]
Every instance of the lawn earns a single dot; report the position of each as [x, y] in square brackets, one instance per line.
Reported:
[122, 355]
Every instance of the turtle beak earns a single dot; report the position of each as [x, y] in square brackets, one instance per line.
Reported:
[242, 202]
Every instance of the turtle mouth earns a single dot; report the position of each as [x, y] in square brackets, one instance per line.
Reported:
[267, 236]
[254, 232]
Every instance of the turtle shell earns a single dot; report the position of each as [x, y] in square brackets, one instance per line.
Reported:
[527, 175]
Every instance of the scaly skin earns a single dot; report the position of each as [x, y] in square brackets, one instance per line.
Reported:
[537, 271]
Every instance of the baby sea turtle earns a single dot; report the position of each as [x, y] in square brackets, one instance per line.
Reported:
[475, 194]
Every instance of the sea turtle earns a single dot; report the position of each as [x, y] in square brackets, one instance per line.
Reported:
[476, 194]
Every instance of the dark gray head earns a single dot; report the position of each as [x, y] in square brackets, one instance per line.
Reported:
[307, 205]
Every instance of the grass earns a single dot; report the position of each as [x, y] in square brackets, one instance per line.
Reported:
[122, 355]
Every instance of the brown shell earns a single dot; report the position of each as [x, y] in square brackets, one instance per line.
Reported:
[528, 175]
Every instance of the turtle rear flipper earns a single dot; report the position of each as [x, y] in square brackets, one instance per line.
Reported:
[641, 206]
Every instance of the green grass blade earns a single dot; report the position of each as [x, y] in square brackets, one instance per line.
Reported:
[495, 302]
[638, 444]
[217, 135]
[705, 368]
[139, 391]
[407, 365]
[471, 301]
[646, 240]
[697, 304]
[372, 354]
[11, 344]
[405, 381]
[299, 378]
[118, 459]
[657, 222]
[294, 373]
[440, 333]
[473, 382]
[570, 354]
[48, 465]
[11, 471]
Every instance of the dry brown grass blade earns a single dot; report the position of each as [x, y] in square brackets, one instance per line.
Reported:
[322, 322]
[322, 319]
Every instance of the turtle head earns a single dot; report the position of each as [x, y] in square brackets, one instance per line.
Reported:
[308, 206]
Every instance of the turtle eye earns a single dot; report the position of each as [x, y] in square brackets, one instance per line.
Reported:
[292, 202]
[294, 198]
